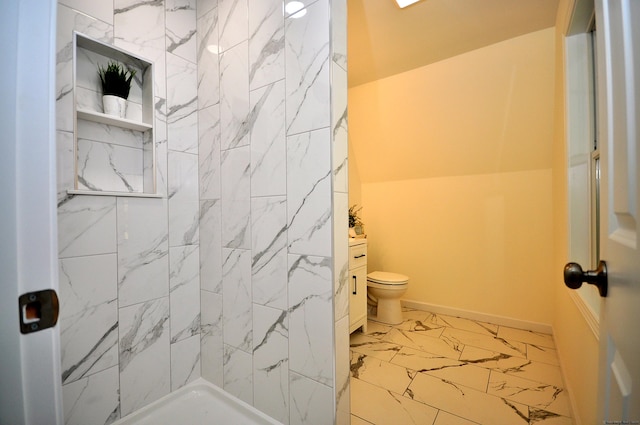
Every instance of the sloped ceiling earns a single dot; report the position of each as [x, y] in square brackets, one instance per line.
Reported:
[384, 40]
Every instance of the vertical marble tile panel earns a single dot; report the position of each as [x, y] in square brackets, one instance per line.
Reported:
[88, 315]
[236, 292]
[268, 142]
[160, 134]
[144, 354]
[234, 18]
[234, 97]
[342, 387]
[270, 362]
[311, 401]
[209, 152]
[184, 281]
[339, 33]
[182, 104]
[185, 362]
[208, 51]
[69, 20]
[307, 69]
[210, 246]
[87, 226]
[99, 10]
[93, 400]
[269, 241]
[148, 172]
[238, 376]
[204, 6]
[341, 254]
[236, 203]
[88, 94]
[311, 317]
[212, 347]
[269, 282]
[309, 193]
[139, 27]
[181, 28]
[184, 209]
[266, 42]
[143, 250]
[65, 165]
[339, 129]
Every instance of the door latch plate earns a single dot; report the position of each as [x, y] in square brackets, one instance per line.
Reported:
[38, 310]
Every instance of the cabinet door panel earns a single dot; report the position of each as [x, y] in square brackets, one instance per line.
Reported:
[358, 298]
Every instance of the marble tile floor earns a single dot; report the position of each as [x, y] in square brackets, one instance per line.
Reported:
[434, 369]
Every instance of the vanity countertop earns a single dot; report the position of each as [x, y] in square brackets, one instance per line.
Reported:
[357, 241]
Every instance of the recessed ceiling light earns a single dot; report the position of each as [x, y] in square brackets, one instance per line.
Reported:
[295, 9]
[405, 3]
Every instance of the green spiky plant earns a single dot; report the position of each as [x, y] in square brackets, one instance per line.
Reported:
[354, 220]
[116, 80]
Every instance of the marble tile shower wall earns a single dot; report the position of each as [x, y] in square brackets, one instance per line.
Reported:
[239, 274]
[339, 155]
[267, 219]
[129, 267]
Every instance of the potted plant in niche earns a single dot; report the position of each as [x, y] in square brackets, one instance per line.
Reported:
[356, 227]
[116, 84]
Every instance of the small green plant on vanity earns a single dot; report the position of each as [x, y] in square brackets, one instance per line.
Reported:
[354, 220]
[356, 227]
[116, 79]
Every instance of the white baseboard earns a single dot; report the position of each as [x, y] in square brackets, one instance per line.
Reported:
[483, 317]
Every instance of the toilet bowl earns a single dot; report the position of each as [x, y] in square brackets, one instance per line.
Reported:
[385, 289]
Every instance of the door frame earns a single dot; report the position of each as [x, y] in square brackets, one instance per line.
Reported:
[30, 371]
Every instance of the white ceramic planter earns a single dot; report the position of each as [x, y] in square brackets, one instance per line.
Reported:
[114, 105]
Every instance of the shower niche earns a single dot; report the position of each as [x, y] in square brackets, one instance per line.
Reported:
[113, 156]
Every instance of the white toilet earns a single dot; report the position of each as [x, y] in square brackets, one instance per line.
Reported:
[385, 289]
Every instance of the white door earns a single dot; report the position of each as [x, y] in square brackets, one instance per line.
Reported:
[618, 40]
[30, 377]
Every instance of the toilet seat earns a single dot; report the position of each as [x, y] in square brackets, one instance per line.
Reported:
[387, 278]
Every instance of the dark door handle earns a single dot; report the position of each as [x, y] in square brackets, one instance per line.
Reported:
[355, 285]
[574, 277]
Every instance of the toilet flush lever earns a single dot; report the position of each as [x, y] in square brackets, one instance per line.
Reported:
[574, 277]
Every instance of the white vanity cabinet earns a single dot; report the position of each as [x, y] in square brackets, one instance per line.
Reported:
[357, 284]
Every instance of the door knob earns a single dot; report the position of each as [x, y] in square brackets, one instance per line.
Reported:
[574, 277]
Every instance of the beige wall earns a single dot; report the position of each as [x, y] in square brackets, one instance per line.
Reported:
[577, 345]
[455, 164]
[355, 185]
[461, 168]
